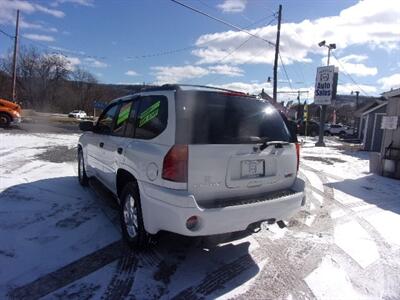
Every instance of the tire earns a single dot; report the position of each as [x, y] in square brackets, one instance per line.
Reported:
[82, 176]
[313, 133]
[327, 133]
[5, 120]
[131, 216]
[342, 134]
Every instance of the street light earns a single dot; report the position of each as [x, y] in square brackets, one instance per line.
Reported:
[320, 142]
[330, 47]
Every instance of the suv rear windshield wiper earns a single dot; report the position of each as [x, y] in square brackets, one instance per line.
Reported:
[267, 142]
[243, 139]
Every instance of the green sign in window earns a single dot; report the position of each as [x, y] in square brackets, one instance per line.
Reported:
[149, 114]
[123, 115]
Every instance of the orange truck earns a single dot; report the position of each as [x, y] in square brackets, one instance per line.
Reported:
[10, 113]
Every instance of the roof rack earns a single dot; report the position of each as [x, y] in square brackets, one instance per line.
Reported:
[169, 87]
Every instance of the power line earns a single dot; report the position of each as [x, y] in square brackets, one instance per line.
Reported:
[222, 21]
[348, 75]
[245, 17]
[7, 34]
[61, 52]
[284, 69]
[241, 45]
[178, 50]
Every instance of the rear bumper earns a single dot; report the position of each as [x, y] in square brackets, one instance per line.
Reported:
[165, 209]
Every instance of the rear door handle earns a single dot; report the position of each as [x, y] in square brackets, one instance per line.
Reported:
[119, 150]
[101, 145]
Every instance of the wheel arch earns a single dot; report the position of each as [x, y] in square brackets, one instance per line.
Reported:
[4, 112]
[123, 177]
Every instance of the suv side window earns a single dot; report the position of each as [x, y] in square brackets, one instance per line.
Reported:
[122, 118]
[152, 117]
[106, 120]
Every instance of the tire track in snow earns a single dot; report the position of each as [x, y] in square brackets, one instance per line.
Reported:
[217, 278]
[383, 246]
[69, 273]
[122, 280]
[381, 272]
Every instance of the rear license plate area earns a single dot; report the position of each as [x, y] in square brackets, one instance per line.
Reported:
[252, 168]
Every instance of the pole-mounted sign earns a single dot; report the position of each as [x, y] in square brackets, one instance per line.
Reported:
[99, 104]
[325, 85]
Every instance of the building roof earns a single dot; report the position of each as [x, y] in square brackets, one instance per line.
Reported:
[391, 93]
[374, 108]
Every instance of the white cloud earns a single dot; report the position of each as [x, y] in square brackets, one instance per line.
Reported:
[131, 73]
[233, 6]
[129, 83]
[61, 49]
[39, 37]
[177, 74]
[368, 23]
[351, 64]
[226, 70]
[390, 82]
[70, 62]
[94, 63]
[8, 10]
[251, 88]
[348, 87]
[78, 2]
[53, 12]
[36, 26]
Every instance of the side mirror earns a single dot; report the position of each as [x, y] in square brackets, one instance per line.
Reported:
[86, 126]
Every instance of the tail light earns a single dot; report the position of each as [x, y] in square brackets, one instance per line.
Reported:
[298, 154]
[175, 166]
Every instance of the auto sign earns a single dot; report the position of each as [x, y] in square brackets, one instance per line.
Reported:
[324, 85]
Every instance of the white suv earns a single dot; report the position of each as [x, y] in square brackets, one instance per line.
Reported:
[192, 160]
[77, 114]
[338, 129]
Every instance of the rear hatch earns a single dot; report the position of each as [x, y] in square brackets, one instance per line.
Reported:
[238, 146]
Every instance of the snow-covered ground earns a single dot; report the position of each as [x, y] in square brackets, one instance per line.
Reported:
[59, 240]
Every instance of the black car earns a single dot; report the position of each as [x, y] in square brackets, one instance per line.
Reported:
[311, 127]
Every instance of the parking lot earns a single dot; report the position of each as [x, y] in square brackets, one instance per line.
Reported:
[59, 240]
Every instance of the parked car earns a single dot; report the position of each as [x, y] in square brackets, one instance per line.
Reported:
[77, 114]
[338, 129]
[192, 160]
[311, 127]
[10, 113]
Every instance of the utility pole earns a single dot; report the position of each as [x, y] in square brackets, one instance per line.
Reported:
[278, 36]
[14, 70]
[298, 105]
[356, 123]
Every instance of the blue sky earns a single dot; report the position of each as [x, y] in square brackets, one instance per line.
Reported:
[109, 39]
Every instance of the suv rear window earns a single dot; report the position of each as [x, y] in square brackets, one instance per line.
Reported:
[223, 118]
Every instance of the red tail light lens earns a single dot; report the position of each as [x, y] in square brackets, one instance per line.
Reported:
[175, 166]
[298, 154]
